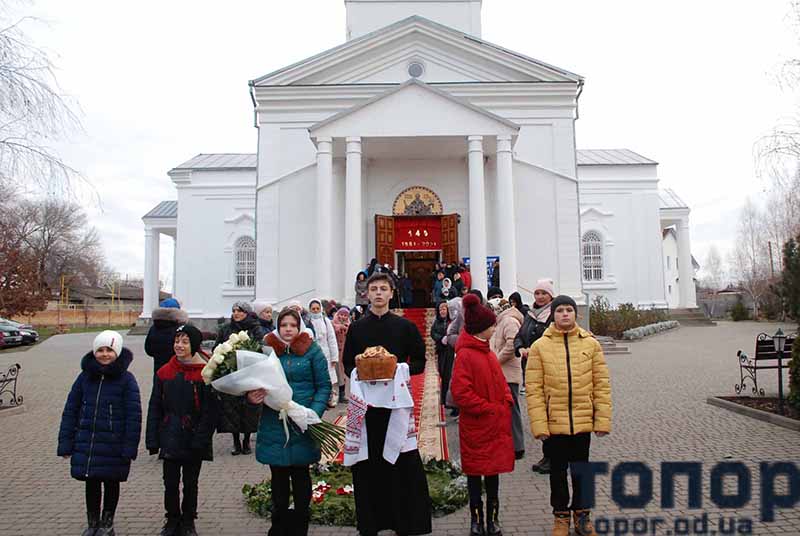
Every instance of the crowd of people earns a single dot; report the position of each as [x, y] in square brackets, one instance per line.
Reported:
[489, 351]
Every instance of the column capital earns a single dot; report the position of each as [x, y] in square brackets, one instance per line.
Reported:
[504, 144]
[353, 144]
[475, 144]
[324, 144]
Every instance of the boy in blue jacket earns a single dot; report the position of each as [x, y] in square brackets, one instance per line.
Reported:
[100, 428]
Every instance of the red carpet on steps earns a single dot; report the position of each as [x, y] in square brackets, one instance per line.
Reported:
[418, 381]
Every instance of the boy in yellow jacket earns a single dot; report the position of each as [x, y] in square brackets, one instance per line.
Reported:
[569, 397]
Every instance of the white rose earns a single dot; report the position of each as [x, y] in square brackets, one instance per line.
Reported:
[244, 336]
[226, 347]
[207, 375]
[234, 338]
[218, 359]
[211, 365]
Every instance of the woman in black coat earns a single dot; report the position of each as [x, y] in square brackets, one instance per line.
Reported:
[166, 320]
[444, 352]
[236, 415]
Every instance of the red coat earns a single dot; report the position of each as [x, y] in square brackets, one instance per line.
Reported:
[484, 426]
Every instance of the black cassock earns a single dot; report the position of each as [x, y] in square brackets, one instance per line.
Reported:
[388, 496]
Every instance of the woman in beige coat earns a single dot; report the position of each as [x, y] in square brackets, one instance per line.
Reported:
[509, 320]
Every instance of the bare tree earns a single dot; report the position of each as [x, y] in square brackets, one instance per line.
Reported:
[749, 259]
[714, 277]
[33, 111]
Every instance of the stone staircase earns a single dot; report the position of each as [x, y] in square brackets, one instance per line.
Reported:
[690, 317]
[610, 346]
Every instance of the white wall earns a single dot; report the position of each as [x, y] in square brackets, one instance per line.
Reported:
[214, 209]
[671, 285]
[621, 203]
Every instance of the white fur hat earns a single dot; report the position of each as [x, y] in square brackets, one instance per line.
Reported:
[110, 339]
[546, 285]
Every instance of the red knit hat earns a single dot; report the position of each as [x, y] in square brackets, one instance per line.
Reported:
[476, 316]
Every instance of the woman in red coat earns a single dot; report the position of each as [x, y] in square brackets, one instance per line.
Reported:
[480, 390]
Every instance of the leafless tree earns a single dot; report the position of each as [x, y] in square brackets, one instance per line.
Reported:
[34, 112]
[714, 278]
[749, 259]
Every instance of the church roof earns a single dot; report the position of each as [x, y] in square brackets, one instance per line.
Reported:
[426, 87]
[295, 72]
[220, 161]
[669, 199]
[165, 209]
[612, 157]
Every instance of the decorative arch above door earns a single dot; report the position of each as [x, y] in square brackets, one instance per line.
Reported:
[417, 201]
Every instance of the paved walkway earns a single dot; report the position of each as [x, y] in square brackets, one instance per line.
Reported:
[660, 414]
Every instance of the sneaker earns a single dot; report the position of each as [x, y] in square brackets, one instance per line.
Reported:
[522, 390]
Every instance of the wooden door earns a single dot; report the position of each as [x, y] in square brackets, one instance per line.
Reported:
[384, 239]
[450, 238]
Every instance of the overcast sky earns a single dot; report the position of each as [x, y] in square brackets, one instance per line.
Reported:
[691, 84]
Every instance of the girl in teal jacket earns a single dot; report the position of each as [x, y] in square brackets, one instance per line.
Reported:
[307, 373]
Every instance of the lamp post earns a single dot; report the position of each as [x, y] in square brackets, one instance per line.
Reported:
[779, 340]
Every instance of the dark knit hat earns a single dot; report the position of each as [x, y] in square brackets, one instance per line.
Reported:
[194, 334]
[563, 300]
[494, 292]
[476, 316]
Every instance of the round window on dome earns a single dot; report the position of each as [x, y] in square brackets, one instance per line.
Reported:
[415, 69]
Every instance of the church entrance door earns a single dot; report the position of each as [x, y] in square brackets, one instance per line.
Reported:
[414, 244]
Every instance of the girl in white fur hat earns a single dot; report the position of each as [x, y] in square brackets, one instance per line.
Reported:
[100, 428]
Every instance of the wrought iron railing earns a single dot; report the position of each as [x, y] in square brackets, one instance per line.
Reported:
[9, 397]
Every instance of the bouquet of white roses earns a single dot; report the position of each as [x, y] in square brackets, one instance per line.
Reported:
[223, 360]
[250, 371]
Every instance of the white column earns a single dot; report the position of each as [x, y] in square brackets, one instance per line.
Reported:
[507, 218]
[685, 270]
[175, 265]
[323, 281]
[477, 214]
[150, 291]
[354, 223]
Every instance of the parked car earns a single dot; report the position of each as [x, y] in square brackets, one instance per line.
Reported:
[29, 336]
[18, 325]
[11, 335]
[2, 340]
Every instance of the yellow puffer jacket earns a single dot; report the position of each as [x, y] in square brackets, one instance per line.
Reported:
[567, 385]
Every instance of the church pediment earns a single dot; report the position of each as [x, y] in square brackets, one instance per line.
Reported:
[445, 55]
[414, 109]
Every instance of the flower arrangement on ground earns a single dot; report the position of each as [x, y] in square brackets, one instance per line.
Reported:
[333, 503]
[237, 366]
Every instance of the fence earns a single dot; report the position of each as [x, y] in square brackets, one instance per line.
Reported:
[80, 317]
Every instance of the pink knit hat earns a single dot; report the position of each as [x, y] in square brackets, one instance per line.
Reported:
[546, 285]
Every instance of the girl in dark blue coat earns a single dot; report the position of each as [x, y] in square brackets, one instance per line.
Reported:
[100, 427]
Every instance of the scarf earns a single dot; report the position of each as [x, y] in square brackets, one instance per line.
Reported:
[540, 314]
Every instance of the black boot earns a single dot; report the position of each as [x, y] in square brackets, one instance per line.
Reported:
[246, 444]
[187, 527]
[493, 527]
[106, 527]
[93, 520]
[544, 466]
[171, 527]
[237, 445]
[476, 520]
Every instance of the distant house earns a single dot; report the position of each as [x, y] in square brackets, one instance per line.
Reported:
[718, 304]
[124, 297]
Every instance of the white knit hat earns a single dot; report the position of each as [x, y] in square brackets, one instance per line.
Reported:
[110, 339]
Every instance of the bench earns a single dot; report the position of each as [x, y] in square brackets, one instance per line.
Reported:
[765, 358]
[8, 387]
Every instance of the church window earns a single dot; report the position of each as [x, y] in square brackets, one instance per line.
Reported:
[245, 252]
[592, 256]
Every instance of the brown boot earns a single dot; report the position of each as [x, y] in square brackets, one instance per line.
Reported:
[561, 524]
[583, 523]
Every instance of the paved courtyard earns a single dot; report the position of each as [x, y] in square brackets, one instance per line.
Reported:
[660, 414]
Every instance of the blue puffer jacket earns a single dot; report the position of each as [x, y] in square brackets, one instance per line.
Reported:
[102, 420]
[307, 372]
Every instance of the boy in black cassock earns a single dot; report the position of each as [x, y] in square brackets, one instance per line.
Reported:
[387, 496]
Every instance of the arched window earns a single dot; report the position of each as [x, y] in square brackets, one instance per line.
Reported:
[592, 256]
[245, 253]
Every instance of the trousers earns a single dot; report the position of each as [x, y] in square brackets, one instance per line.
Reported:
[567, 451]
[94, 496]
[172, 479]
[290, 482]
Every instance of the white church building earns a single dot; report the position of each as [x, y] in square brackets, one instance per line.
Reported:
[414, 142]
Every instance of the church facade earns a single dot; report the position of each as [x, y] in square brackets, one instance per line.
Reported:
[415, 142]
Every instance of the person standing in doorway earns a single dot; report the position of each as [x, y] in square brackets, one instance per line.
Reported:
[537, 320]
[361, 289]
[565, 405]
[388, 496]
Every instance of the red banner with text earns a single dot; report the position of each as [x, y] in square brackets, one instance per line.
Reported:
[418, 233]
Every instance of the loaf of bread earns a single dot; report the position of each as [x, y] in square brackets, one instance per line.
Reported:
[376, 363]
